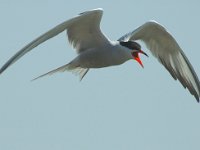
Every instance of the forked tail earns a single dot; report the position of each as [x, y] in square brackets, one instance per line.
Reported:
[81, 72]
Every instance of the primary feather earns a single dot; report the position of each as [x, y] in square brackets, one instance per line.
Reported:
[165, 48]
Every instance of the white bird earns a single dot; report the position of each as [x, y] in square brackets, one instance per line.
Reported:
[95, 50]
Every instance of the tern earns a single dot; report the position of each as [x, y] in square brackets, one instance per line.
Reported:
[95, 50]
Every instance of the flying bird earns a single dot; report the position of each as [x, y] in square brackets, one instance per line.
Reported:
[95, 50]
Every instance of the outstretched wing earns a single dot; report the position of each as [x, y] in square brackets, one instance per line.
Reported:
[83, 33]
[165, 48]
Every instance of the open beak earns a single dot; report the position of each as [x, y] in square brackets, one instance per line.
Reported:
[137, 58]
[142, 52]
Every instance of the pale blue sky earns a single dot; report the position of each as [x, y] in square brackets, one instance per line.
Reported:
[115, 108]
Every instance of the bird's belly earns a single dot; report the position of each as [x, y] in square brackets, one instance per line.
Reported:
[99, 59]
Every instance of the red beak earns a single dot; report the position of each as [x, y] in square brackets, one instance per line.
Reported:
[137, 58]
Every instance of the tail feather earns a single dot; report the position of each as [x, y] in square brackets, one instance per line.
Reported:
[81, 72]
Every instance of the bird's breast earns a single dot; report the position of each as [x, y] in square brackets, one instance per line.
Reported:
[102, 57]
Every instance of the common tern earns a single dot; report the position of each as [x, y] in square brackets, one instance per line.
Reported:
[95, 50]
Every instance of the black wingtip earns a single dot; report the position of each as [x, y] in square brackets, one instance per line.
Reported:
[197, 98]
[2, 69]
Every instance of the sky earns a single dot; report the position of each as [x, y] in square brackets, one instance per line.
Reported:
[124, 107]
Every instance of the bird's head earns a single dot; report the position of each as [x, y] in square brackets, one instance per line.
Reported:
[135, 50]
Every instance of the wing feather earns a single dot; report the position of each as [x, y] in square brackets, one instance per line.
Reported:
[86, 33]
[165, 48]
[83, 33]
